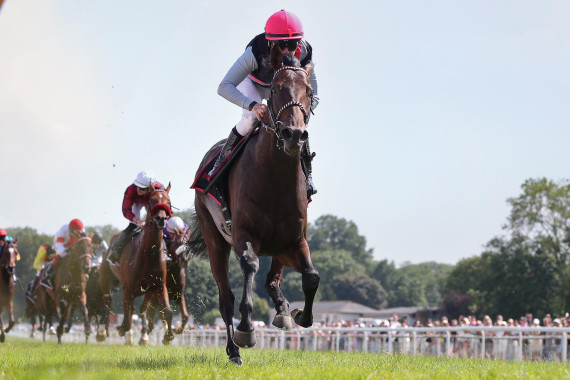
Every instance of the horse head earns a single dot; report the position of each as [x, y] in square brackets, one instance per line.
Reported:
[290, 100]
[159, 209]
[82, 252]
[9, 256]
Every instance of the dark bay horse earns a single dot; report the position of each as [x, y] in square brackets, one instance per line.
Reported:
[268, 202]
[7, 267]
[70, 283]
[142, 270]
[175, 279]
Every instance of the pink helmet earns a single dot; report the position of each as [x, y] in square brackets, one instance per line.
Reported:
[283, 25]
[3, 232]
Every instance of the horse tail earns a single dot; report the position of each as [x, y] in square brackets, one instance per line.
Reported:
[196, 243]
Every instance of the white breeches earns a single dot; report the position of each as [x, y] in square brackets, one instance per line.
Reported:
[256, 92]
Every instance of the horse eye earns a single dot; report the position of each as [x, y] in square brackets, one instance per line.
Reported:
[273, 90]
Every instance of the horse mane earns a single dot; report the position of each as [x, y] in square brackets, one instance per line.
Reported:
[196, 243]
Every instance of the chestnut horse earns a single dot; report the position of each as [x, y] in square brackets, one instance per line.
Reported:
[142, 270]
[175, 279]
[70, 282]
[268, 203]
[7, 267]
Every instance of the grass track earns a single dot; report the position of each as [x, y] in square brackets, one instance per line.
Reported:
[27, 359]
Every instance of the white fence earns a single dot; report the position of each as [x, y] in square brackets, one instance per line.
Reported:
[504, 343]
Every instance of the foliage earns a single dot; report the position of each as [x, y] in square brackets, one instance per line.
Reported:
[361, 289]
[330, 233]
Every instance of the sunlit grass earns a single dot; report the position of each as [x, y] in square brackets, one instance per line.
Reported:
[27, 359]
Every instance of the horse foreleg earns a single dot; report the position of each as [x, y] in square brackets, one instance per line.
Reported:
[2, 334]
[64, 309]
[70, 318]
[85, 312]
[125, 327]
[301, 262]
[245, 334]
[181, 302]
[282, 319]
[143, 315]
[10, 311]
[166, 310]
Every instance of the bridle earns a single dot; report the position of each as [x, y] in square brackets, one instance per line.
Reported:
[275, 118]
[159, 206]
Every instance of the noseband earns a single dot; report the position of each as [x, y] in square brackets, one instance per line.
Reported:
[158, 207]
[275, 118]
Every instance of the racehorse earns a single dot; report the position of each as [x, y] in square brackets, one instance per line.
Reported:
[175, 279]
[142, 270]
[7, 267]
[95, 303]
[267, 197]
[70, 282]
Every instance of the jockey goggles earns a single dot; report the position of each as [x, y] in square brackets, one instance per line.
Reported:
[291, 45]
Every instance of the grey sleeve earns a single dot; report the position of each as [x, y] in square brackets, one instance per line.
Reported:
[315, 86]
[237, 73]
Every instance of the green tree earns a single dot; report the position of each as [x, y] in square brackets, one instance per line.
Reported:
[542, 214]
[330, 233]
[360, 288]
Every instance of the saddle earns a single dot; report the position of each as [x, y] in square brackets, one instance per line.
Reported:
[216, 186]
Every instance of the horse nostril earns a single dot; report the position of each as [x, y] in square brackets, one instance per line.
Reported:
[287, 133]
[304, 136]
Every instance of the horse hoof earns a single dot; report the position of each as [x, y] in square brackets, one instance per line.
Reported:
[2, 337]
[165, 342]
[237, 360]
[100, 338]
[244, 339]
[52, 330]
[67, 329]
[178, 330]
[297, 315]
[282, 322]
[143, 342]
[129, 338]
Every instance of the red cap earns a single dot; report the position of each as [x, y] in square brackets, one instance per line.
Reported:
[3, 232]
[283, 25]
[76, 225]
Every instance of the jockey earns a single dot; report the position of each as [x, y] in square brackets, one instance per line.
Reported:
[100, 246]
[45, 255]
[173, 225]
[136, 197]
[63, 242]
[3, 235]
[248, 81]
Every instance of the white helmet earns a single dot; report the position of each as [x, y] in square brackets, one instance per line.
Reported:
[175, 223]
[143, 180]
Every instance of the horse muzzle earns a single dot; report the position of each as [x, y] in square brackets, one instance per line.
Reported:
[160, 220]
[293, 140]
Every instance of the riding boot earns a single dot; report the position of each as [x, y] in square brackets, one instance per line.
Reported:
[307, 157]
[31, 291]
[123, 239]
[50, 271]
[230, 144]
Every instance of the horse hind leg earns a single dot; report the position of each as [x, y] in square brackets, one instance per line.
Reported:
[245, 335]
[282, 319]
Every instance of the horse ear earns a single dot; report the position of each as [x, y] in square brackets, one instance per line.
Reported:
[308, 68]
[151, 185]
[276, 57]
[91, 235]
[168, 188]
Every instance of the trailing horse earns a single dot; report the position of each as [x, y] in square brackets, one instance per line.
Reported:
[70, 282]
[142, 271]
[175, 279]
[267, 197]
[7, 268]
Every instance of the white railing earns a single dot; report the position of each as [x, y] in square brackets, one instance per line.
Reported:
[506, 343]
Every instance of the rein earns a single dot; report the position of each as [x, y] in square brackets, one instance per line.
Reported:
[85, 254]
[275, 118]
